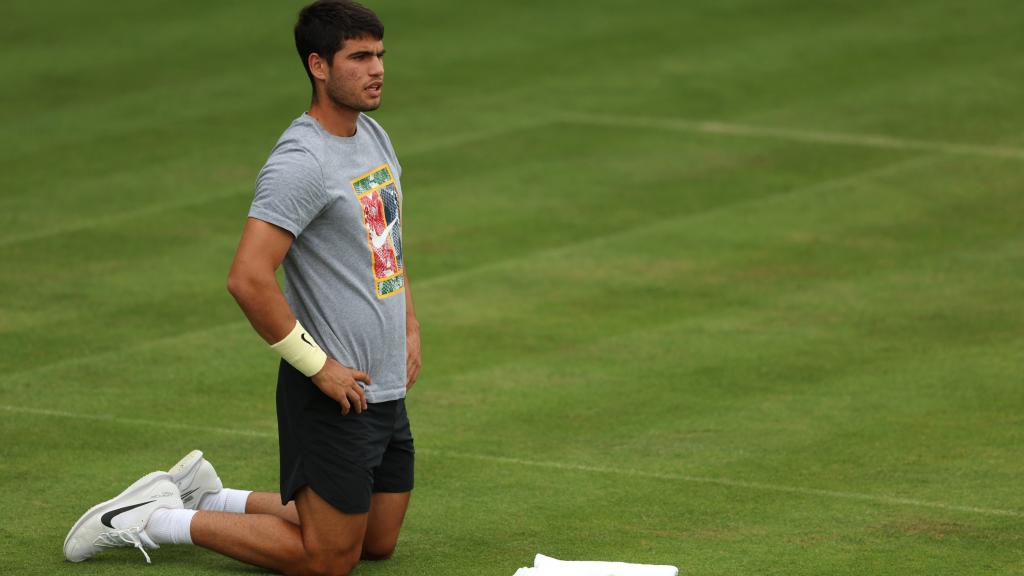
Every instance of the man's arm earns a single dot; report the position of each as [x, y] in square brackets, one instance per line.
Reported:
[412, 337]
[253, 283]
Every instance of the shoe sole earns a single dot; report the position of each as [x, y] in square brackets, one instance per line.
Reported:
[185, 466]
[138, 486]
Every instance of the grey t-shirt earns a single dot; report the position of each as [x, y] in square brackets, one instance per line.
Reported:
[344, 278]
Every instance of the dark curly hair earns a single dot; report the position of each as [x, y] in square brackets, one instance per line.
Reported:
[325, 25]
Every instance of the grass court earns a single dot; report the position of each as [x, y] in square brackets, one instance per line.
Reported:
[733, 285]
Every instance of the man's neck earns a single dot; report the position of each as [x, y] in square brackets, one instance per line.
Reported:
[338, 120]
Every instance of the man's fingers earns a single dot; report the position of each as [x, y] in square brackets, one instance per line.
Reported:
[361, 376]
[345, 406]
[354, 395]
[360, 393]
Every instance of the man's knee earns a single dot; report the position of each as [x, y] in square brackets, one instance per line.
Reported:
[378, 550]
[330, 563]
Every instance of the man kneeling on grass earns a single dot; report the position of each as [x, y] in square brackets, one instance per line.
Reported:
[328, 206]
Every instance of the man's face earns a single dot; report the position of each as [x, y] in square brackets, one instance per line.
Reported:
[355, 78]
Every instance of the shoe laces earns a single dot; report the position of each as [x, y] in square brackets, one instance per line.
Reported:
[122, 538]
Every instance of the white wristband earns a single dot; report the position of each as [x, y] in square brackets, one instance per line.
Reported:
[299, 350]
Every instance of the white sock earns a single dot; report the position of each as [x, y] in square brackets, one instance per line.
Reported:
[226, 500]
[167, 526]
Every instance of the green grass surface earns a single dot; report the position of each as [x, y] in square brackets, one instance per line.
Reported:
[795, 350]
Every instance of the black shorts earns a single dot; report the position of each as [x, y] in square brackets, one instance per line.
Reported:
[344, 459]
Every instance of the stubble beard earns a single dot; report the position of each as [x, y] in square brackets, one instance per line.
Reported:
[341, 99]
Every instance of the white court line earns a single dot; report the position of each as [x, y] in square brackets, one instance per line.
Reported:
[881, 499]
[729, 483]
[794, 134]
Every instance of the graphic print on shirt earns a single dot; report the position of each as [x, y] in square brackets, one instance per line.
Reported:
[378, 195]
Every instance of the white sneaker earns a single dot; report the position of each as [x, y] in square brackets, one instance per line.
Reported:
[121, 521]
[195, 478]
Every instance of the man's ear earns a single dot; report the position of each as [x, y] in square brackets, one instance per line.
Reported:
[317, 66]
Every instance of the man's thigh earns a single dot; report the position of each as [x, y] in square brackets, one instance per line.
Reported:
[387, 511]
[331, 538]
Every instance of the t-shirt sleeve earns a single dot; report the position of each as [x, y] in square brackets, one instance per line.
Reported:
[290, 190]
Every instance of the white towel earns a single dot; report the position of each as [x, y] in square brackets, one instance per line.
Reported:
[547, 566]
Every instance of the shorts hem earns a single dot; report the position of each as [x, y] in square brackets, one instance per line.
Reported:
[289, 495]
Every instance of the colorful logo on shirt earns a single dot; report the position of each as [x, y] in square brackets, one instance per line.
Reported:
[378, 195]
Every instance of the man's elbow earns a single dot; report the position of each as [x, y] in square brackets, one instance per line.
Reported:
[240, 285]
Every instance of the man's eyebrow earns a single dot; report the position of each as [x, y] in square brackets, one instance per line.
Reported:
[363, 53]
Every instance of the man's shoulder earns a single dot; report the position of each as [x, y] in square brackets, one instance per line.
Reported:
[377, 132]
[300, 144]
[369, 123]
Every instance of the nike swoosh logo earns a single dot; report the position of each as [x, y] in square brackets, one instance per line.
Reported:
[307, 341]
[379, 241]
[107, 518]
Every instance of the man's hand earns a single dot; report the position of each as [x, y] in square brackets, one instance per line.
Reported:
[412, 351]
[342, 384]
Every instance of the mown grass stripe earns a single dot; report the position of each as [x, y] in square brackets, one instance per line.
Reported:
[435, 145]
[498, 264]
